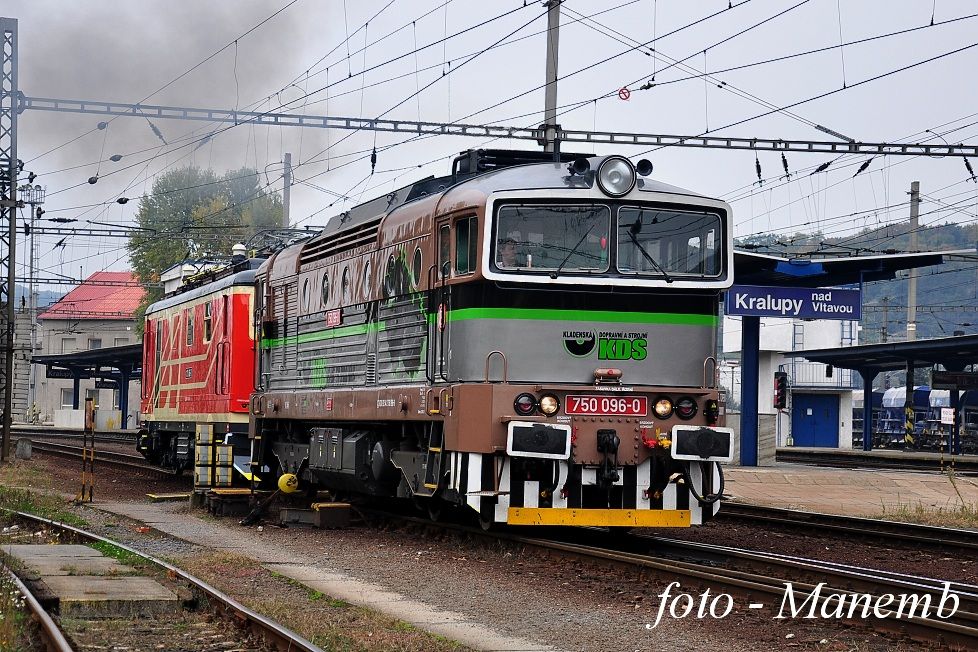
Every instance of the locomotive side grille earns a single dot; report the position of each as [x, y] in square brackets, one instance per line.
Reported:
[343, 241]
[401, 341]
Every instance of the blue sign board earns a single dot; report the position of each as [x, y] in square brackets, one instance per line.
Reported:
[802, 303]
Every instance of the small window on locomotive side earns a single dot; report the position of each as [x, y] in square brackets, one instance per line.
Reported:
[367, 279]
[159, 337]
[305, 295]
[208, 328]
[444, 250]
[190, 327]
[345, 285]
[174, 329]
[416, 267]
[325, 289]
[466, 231]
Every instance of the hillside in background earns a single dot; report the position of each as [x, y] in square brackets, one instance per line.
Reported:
[947, 295]
[44, 297]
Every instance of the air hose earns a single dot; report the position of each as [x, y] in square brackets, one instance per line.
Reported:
[711, 498]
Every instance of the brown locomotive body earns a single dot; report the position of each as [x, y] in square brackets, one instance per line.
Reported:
[535, 341]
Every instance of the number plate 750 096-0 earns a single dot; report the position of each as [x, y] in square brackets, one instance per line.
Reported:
[632, 406]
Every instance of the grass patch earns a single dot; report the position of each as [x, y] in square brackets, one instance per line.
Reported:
[119, 554]
[15, 630]
[958, 513]
[39, 504]
[961, 515]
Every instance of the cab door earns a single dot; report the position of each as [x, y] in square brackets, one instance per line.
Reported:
[439, 304]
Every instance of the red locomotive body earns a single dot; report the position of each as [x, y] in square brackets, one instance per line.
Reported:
[198, 368]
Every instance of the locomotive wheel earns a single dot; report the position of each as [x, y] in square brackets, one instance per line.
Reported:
[487, 524]
[435, 508]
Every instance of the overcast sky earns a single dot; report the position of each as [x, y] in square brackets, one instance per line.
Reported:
[125, 51]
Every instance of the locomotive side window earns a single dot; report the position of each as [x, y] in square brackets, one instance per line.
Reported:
[466, 235]
[444, 250]
[190, 327]
[305, 295]
[325, 289]
[207, 322]
[569, 238]
[345, 285]
[416, 267]
[656, 242]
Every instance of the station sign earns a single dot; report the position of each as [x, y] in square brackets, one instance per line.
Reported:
[954, 380]
[801, 303]
[56, 372]
[104, 383]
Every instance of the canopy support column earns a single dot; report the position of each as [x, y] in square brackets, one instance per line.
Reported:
[869, 375]
[750, 378]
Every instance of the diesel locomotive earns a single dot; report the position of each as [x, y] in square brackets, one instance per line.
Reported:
[527, 338]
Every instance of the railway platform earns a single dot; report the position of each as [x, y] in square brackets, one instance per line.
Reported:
[870, 492]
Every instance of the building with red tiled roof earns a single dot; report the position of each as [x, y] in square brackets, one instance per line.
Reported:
[101, 296]
[97, 314]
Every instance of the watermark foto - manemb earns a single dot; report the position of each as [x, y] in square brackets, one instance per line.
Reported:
[820, 602]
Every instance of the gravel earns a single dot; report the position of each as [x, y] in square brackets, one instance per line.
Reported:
[567, 603]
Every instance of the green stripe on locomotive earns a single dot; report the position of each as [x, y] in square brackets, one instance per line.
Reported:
[560, 346]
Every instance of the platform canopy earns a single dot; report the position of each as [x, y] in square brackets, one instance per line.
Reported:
[952, 352]
[751, 268]
[120, 364]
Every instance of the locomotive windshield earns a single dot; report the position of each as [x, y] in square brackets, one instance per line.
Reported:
[658, 242]
[545, 238]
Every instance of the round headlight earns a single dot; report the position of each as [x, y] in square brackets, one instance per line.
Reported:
[663, 407]
[686, 408]
[616, 176]
[525, 404]
[549, 404]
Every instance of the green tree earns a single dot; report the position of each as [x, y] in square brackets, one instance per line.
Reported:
[192, 214]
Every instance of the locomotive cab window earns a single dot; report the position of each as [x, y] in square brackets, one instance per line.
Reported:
[655, 242]
[466, 244]
[572, 239]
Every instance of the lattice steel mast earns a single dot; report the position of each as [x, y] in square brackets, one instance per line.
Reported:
[8, 212]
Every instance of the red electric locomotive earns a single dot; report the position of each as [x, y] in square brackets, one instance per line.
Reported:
[199, 366]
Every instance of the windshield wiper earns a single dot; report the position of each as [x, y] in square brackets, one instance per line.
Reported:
[633, 230]
[570, 253]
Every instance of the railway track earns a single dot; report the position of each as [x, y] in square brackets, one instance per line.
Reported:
[110, 458]
[758, 578]
[46, 432]
[274, 635]
[927, 537]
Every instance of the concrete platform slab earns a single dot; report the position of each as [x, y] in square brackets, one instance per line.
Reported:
[93, 596]
[88, 584]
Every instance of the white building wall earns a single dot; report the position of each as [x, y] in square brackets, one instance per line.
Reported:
[70, 336]
[777, 335]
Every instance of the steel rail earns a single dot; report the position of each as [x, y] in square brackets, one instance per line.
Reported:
[51, 635]
[274, 633]
[700, 565]
[109, 458]
[46, 431]
[941, 539]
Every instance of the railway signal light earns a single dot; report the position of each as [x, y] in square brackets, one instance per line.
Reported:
[780, 390]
